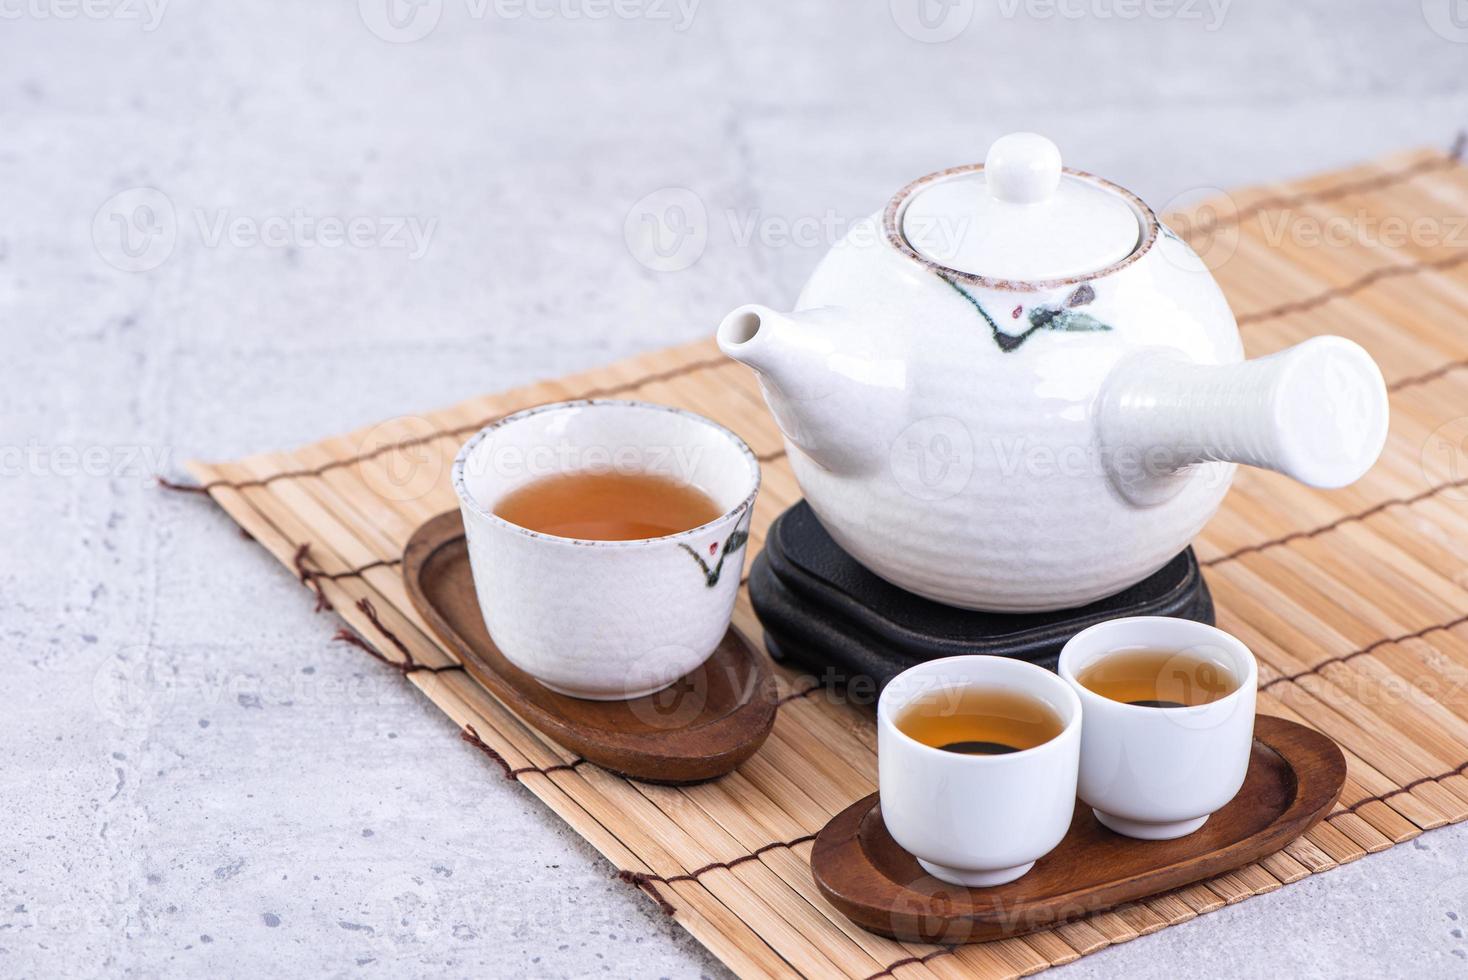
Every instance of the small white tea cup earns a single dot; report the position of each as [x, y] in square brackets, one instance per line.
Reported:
[1157, 773]
[977, 820]
[606, 620]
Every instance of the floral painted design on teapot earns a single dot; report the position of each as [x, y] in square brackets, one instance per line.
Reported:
[1067, 317]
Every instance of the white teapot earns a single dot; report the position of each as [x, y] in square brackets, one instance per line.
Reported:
[1015, 390]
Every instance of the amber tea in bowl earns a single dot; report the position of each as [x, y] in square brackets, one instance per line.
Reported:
[608, 506]
[977, 760]
[977, 720]
[1159, 677]
[607, 539]
[1169, 727]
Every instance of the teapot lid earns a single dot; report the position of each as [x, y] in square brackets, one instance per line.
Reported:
[1021, 216]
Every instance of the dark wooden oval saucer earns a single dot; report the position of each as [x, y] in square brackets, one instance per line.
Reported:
[1294, 778]
[702, 727]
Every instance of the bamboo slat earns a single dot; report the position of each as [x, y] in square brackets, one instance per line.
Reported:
[1355, 601]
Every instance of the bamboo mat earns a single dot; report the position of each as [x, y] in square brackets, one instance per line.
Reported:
[1355, 601]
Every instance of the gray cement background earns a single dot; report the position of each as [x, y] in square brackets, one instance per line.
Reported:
[195, 780]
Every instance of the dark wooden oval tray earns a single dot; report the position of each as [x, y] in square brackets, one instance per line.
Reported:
[1294, 778]
[702, 727]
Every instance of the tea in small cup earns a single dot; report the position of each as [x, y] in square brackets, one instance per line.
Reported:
[976, 761]
[1169, 707]
[607, 540]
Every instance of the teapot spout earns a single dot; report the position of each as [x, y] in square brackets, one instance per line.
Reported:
[760, 338]
[1317, 412]
[831, 397]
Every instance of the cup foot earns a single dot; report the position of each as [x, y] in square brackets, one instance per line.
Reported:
[1148, 830]
[975, 879]
[601, 695]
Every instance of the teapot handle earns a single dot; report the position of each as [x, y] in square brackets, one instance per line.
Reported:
[1317, 412]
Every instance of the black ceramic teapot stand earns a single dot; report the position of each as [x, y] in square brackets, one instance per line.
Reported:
[826, 613]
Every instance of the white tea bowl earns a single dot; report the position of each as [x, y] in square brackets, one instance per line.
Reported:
[1156, 773]
[606, 620]
[977, 820]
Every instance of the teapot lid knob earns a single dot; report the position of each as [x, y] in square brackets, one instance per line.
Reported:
[1023, 168]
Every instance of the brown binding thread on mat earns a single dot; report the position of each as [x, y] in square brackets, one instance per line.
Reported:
[1370, 648]
[308, 576]
[1354, 286]
[353, 572]
[361, 569]
[469, 735]
[1407, 788]
[1426, 376]
[411, 667]
[804, 692]
[1371, 511]
[168, 484]
[911, 960]
[408, 665]
[646, 881]
[1343, 189]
